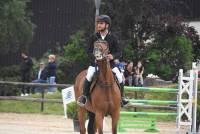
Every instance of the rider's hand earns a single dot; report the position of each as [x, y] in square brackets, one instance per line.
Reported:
[110, 56]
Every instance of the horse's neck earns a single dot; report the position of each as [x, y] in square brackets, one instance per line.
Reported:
[105, 71]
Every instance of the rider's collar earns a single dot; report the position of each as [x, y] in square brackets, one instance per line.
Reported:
[104, 34]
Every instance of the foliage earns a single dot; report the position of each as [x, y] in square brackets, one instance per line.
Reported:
[151, 27]
[72, 112]
[11, 71]
[16, 28]
[130, 16]
[74, 51]
[169, 55]
[193, 35]
[128, 52]
[70, 59]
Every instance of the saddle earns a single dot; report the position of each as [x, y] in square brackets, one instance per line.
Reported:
[95, 81]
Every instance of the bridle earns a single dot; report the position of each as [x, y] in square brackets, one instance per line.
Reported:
[100, 51]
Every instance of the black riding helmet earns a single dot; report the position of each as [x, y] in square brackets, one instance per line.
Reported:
[104, 18]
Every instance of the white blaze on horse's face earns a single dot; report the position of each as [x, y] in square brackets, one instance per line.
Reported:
[98, 54]
[100, 50]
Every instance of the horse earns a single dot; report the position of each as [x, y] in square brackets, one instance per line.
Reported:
[105, 96]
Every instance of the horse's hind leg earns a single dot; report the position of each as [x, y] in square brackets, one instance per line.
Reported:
[91, 123]
[99, 121]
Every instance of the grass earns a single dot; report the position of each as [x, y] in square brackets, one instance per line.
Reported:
[56, 108]
[33, 107]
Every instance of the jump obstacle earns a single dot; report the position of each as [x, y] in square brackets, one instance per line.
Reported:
[186, 103]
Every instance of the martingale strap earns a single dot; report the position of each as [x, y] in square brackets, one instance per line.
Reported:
[104, 84]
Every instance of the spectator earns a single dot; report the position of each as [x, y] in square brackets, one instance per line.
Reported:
[41, 76]
[138, 72]
[116, 62]
[128, 74]
[51, 71]
[26, 68]
[121, 67]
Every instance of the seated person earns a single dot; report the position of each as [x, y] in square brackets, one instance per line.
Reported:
[138, 72]
[51, 71]
[128, 74]
[41, 76]
[120, 65]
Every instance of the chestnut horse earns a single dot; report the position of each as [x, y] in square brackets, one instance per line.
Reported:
[105, 97]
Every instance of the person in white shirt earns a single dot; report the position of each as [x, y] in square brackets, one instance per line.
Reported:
[41, 76]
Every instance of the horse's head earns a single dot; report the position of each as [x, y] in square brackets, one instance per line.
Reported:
[101, 49]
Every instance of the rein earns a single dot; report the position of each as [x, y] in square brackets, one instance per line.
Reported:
[100, 52]
[106, 84]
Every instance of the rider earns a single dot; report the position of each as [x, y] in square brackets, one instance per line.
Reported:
[103, 26]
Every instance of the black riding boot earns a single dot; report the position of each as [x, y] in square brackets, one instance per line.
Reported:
[83, 98]
[123, 101]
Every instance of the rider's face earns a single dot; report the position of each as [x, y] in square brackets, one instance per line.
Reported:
[101, 26]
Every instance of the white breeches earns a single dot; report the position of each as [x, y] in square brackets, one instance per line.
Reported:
[91, 71]
[119, 75]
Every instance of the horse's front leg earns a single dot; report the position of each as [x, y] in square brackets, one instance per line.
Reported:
[115, 118]
[81, 117]
[99, 121]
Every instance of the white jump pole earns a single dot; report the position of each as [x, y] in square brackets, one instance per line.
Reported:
[194, 106]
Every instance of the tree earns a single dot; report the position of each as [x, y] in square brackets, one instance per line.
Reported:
[72, 58]
[129, 16]
[168, 55]
[16, 28]
[152, 28]
[192, 33]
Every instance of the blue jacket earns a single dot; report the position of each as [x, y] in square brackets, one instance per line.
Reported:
[51, 69]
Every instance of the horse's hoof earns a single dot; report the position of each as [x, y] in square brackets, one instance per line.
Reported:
[124, 102]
